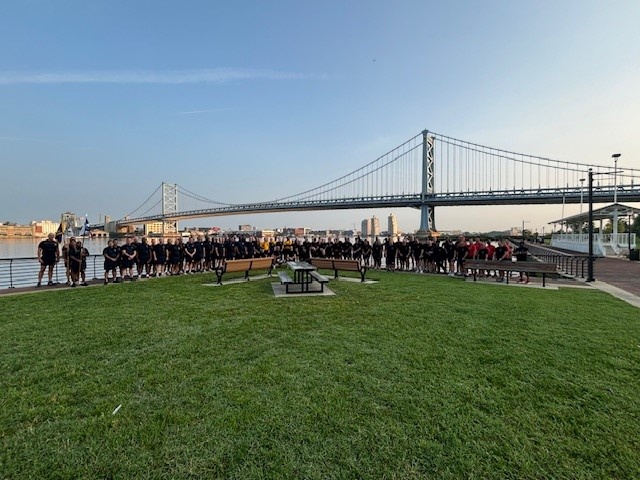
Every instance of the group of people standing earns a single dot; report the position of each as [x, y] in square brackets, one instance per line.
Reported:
[144, 257]
[73, 254]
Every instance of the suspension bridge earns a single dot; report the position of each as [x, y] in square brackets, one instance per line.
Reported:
[427, 171]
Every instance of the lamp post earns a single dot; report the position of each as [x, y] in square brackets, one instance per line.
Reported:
[615, 157]
[614, 231]
[581, 195]
[523, 222]
[590, 226]
[590, 229]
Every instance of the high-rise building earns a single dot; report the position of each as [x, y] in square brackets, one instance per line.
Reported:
[366, 227]
[375, 227]
[393, 226]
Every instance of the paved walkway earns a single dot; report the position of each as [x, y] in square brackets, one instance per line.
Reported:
[619, 277]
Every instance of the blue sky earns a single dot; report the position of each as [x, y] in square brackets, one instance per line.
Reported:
[102, 101]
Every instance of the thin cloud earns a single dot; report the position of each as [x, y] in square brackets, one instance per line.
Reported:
[175, 77]
[192, 112]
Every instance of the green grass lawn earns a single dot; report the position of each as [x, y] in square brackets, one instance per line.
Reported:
[411, 377]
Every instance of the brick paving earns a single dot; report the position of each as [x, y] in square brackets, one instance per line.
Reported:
[618, 272]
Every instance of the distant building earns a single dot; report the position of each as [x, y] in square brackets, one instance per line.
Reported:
[160, 228]
[16, 230]
[44, 228]
[366, 227]
[392, 228]
[245, 228]
[72, 220]
[266, 233]
[375, 227]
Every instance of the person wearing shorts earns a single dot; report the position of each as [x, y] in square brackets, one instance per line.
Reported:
[48, 256]
[110, 254]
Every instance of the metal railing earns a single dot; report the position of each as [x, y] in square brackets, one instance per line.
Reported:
[23, 272]
[571, 264]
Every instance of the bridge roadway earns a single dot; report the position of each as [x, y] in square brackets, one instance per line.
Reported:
[540, 196]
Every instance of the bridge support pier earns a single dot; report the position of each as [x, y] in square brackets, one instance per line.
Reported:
[427, 219]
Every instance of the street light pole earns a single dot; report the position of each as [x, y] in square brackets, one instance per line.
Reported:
[590, 230]
[523, 222]
[614, 231]
[615, 157]
[581, 195]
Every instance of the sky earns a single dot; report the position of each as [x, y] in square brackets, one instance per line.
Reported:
[102, 101]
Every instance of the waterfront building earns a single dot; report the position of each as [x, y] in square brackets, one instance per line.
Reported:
[16, 231]
[392, 228]
[375, 227]
[44, 228]
[160, 228]
[366, 227]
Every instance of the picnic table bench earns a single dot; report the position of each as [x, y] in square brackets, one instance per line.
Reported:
[508, 266]
[304, 275]
[245, 265]
[336, 265]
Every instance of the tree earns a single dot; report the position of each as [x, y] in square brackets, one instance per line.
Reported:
[622, 226]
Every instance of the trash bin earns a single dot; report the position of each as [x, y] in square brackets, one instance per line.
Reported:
[634, 254]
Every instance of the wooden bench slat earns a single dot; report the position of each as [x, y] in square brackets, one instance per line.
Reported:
[244, 265]
[509, 266]
[337, 264]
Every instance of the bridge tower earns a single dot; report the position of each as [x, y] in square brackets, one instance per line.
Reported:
[169, 206]
[427, 217]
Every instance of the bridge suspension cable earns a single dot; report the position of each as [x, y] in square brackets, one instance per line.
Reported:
[145, 204]
[428, 170]
[396, 172]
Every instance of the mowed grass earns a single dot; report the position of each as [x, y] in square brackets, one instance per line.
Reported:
[411, 377]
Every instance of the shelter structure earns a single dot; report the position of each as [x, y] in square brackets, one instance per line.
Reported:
[613, 243]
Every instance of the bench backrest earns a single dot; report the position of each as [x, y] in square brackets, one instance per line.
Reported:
[349, 265]
[326, 263]
[517, 266]
[261, 263]
[246, 264]
[241, 265]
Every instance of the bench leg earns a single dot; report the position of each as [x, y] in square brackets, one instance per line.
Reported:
[544, 277]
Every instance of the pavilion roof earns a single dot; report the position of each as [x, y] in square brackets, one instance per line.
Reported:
[601, 214]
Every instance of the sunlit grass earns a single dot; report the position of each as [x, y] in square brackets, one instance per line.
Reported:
[411, 377]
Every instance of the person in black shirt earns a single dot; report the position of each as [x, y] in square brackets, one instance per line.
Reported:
[110, 254]
[521, 256]
[128, 255]
[190, 255]
[143, 257]
[84, 253]
[48, 256]
[75, 262]
[376, 252]
[501, 254]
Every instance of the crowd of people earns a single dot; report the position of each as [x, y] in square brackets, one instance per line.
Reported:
[143, 257]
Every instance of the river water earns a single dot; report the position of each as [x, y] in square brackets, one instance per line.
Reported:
[28, 247]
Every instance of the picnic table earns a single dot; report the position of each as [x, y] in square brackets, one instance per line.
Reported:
[304, 274]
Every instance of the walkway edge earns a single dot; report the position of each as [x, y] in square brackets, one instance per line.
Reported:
[630, 298]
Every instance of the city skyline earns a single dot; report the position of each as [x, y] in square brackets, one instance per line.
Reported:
[100, 107]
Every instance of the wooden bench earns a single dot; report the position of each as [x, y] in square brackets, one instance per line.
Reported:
[245, 265]
[508, 266]
[338, 264]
